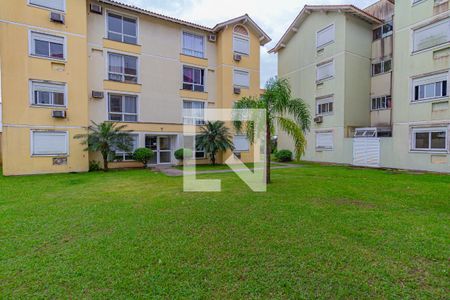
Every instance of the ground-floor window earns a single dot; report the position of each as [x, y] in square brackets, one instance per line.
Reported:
[324, 140]
[127, 156]
[49, 143]
[430, 139]
[241, 143]
[189, 143]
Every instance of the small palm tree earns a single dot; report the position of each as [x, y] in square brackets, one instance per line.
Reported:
[214, 137]
[106, 138]
[288, 114]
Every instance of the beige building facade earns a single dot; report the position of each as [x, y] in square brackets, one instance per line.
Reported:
[387, 105]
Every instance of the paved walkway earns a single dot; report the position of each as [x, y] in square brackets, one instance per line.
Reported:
[170, 171]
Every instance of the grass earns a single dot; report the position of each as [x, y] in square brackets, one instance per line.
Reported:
[319, 232]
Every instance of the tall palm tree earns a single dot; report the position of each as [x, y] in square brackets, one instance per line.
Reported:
[214, 137]
[106, 138]
[282, 111]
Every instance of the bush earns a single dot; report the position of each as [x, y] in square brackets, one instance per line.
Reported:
[283, 155]
[143, 155]
[94, 166]
[183, 153]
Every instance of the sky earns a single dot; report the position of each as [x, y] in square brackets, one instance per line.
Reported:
[274, 17]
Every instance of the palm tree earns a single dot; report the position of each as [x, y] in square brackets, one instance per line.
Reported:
[106, 138]
[288, 114]
[214, 137]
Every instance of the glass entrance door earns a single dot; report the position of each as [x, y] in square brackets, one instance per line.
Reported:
[161, 147]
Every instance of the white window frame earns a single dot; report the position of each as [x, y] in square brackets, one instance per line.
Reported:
[194, 154]
[46, 37]
[123, 67]
[325, 100]
[382, 99]
[108, 11]
[326, 63]
[422, 28]
[192, 83]
[183, 48]
[246, 38]
[429, 79]
[323, 148]
[241, 85]
[193, 119]
[47, 7]
[429, 130]
[32, 144]
[124, 154]
[246, 149]
[32, 82]
[123, 95]
[382, 62]
[321, 31]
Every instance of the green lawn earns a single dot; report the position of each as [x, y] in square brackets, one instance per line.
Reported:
[319, 232]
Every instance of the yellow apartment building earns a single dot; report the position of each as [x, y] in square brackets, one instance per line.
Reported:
[65, 63]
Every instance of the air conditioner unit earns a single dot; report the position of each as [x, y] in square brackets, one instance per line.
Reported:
[96, 9]
[59, 114]
[237, 57]
[98, 95]
[318, 119]
[57, 17]
[237, 90]
[212, 38]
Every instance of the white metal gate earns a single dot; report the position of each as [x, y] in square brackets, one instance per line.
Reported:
[366, 152]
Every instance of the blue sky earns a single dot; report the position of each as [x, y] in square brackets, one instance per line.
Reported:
[273, 16]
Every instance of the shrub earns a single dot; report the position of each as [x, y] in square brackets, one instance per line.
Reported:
[94, 166]
[183, 153]
[143, 155]
[283, 155]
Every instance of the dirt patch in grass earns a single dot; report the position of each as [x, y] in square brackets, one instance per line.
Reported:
[353, 202]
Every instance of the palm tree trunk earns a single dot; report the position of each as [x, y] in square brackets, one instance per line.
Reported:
[268, 151]
[105, 162]
[213, 159]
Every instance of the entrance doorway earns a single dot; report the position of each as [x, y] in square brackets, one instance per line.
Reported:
[161, 147]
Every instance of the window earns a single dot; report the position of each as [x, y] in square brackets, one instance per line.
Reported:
[365, 132]
[51, 4]
[122, 29]
[324, 140]
[431, 35]
[46, 45]
[383, 31]
[324, 106]
[48, 94]
[122, 108]
[124, 156]
[198, 153]
[193, 112]
[325, 36]
[430, 139]
[52, 143]
[193, 44]
[241, 42]
[379, 103]
[430, 87]
[381, 67]
[193, 79]
[122, 68]
[241, 143]
[325, 71]
[241, 78]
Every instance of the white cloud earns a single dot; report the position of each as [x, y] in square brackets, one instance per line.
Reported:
[273, 16]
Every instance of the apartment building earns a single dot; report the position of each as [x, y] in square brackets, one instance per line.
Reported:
[376, 81]
[66, 63]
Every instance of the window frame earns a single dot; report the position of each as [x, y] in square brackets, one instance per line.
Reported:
[123, 95]
[32, 143]
[329, 42]
[383, 34]
[325, 100]
[330, 132]
[429, 77]
[242, 37]
[202, 70]
[429, 130]
[32, 90]
[123, 67]
[125, 154]
[424, 27]
[242, 71]
[183, 32]
[205, 104]
[319, 65]
[382, 65]
[247, 149]
[122, 15]
[31, 44]
[47, 7]
[387, 100]
[196, 151]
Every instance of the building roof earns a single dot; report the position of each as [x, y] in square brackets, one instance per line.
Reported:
[244, 19]
[308, 9]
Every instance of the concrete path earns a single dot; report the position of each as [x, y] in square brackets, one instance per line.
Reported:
[170, 171]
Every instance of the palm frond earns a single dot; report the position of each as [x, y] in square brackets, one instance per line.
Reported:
[294, 131]
[300, 111]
